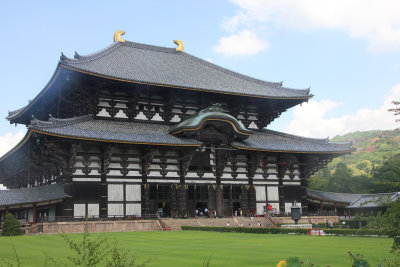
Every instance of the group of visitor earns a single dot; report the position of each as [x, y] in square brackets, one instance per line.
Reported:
[206, 212]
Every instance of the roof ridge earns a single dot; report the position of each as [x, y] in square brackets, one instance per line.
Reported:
[89, 57]
[317, 140]
[355, 194]
[110, 48]
[54, 122]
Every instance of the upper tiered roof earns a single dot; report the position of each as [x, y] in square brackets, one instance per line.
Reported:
[134, 62]
[164, 68]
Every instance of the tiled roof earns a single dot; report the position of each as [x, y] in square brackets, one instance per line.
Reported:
[86, 127]
[32, 195]
[332, 196]
[167, 67]
[269, 140]
[373, 200]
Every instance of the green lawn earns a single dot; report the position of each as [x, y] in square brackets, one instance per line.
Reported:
[191, 248]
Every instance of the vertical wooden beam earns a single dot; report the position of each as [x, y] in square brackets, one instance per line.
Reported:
[182, 194]
[146, 200]
[322, 209]
[219, 200]
[34, 214]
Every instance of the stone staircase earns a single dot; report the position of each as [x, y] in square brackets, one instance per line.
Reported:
[175, 224]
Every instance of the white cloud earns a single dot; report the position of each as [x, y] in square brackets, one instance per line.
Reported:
[9, 140]
[309, 119]
[245, 43]
[377, 21]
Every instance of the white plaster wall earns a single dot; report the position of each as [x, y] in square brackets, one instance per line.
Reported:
[115, 192]
[133, 192]
[79, 210]
[260, 193]
[115, 209]
[260, 208]
[133, 209]
[93, 210]
[273, 193]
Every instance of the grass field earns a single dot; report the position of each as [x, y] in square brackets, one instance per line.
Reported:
[191, 248]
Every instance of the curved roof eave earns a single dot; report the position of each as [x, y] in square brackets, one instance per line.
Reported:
[305, 98]
[293, 151]
[17, 146]
[15, 114]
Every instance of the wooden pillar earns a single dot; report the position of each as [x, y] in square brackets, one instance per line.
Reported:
[174, 200]
[146, 200]
[220, 201]
[6, 211]
[34, 214]
[68, 204]
[182, 194]
[212, 199]
[252, 200]
[244, 201]
[230, 200]
[322, 208]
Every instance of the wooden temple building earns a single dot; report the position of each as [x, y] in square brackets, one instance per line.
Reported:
[136, 130]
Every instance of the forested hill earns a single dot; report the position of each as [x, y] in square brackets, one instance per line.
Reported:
[358, 172]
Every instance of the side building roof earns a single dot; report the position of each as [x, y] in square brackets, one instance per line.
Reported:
[353, 201]
[332, 196]
[373, 200]
[32, 195]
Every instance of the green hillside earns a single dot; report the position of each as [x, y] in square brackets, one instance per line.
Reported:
[372, 149]
[358, 172]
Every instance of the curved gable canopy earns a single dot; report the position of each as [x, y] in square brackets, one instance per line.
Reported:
[214, 121]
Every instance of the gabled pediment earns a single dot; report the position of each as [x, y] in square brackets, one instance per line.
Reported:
[211, 124]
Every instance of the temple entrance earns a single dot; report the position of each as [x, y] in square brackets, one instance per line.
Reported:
[164, 209]
[201, 206]
[237, 209]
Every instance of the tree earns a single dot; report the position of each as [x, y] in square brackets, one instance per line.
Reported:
[11, 226]
[395, 110]
[387, 177]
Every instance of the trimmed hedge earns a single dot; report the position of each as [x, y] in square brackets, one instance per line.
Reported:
[340, 232]
[361, 232]
[254, 230]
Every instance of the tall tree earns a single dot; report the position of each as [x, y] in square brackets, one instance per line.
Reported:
[396, 110]
[387, 177]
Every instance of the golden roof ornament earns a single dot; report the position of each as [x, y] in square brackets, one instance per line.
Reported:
[180, 45]
[117, 36]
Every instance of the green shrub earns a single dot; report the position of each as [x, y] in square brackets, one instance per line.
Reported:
[247, 230]
[341, 232]
[359, 232]
[396, 242]
[11, 226]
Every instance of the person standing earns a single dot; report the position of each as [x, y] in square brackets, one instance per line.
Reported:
[227, 224]
[206, 212]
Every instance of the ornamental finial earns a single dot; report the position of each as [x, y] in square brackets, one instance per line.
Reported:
[180, 45]
[117, 36]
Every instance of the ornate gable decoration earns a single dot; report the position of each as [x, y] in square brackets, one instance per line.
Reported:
[211, 123]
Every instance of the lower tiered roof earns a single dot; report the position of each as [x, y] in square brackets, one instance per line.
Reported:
[88, 128]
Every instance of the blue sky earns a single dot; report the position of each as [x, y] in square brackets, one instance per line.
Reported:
[348, 52]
